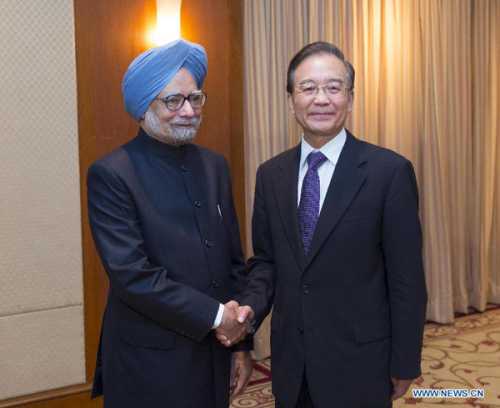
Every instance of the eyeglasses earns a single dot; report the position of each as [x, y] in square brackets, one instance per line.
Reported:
[176, 102]
[331, 89]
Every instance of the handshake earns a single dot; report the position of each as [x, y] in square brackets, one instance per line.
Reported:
[236, 323]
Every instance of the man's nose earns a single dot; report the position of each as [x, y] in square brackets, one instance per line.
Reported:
[321, 98]
[186, 110]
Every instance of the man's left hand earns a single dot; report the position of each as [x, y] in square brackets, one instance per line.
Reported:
[241, 369]
[400, 387]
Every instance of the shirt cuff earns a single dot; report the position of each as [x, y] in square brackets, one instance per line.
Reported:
[218, 318]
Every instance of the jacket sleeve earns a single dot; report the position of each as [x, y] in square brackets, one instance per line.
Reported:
[259, 292]
[134, 279]
[402, 246]
[238, 276]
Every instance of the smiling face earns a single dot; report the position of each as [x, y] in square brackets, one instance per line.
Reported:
[173, 127]
[322, 116]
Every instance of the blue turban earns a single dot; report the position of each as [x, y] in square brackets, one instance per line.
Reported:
[151, 71]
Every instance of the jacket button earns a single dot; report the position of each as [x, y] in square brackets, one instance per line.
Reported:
[216, 283]
[300, 330]
[197, 204]
[184, 167]
[305, 289]
[208, 243]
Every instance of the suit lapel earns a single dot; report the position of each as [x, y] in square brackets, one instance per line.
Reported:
[346, 181]
[285, 188]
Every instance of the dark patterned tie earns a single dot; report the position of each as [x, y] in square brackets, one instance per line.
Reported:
[309, 199]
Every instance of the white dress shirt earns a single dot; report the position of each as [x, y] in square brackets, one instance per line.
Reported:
[331, 150]
[218, 318]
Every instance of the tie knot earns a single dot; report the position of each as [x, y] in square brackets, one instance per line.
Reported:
[315, 160]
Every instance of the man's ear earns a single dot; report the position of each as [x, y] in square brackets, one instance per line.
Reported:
[289, 98]
[351, 100]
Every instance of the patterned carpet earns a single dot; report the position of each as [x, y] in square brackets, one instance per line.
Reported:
[464, 355]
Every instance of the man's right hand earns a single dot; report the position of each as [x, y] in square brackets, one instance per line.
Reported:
[231, 329]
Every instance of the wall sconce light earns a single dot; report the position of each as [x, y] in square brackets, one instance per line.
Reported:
[168, 21]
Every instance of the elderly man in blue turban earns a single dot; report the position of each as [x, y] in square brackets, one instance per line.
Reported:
[164, 224]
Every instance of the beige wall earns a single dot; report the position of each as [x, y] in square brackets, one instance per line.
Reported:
[41, 295]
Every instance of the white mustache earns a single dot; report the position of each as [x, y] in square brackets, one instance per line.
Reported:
[192, 122]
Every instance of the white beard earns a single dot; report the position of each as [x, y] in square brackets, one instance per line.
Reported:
[168, 132]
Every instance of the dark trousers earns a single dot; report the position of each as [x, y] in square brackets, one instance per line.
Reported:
[304, 400]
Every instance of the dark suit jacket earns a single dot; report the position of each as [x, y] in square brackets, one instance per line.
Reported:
[171, 257]
[351, 312]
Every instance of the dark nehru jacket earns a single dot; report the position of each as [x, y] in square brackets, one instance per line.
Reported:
[164, 224]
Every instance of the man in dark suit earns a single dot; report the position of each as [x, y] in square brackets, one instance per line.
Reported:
[338, 250]
[164, 224]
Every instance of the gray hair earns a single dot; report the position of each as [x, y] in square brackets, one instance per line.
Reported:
[316, 48]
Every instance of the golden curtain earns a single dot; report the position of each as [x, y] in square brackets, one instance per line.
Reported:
[428, 87]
